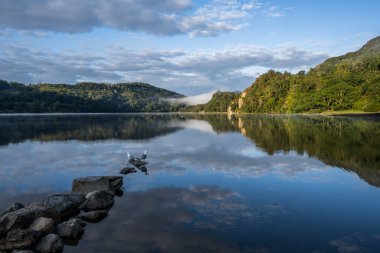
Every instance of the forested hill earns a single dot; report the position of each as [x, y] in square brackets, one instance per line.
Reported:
[349, 82]
[85, 97]
[219, 102]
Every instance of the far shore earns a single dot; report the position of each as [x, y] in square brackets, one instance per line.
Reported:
[328, 113]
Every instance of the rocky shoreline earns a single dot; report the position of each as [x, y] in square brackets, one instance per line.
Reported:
[46, 226]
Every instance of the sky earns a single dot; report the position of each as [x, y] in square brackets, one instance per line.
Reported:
[189, 46]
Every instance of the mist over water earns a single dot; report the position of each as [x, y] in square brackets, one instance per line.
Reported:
[215, 183]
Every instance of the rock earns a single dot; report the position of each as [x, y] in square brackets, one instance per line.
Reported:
[90, 184]
[3, 232]
[76, 198]
[67, 205]
[117, 184]
[22, 251]
[128, 170]
[24, 217]
[144, 169]
[42, 226]
[51, 243]
[81, 222]
[18, 239]
[14, 207]
[138, 163]
[98, 200]
[71, 229]
[94, 216]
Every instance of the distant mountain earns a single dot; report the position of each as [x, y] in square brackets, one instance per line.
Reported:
[219, 102]
[348, 82]
[85, 97]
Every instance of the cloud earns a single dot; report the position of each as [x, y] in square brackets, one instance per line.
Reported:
[194, 100]
[188, 72]
[164, 17]
[168, 219]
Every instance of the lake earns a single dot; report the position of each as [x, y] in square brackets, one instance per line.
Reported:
[215, 183]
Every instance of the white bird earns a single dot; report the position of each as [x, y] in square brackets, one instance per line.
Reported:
[131, 157]
[144, 156]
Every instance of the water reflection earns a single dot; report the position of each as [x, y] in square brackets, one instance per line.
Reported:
[215, 183]
[14, 129]
[352, 144]
[168, 220]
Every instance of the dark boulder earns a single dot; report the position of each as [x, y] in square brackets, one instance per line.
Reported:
[144, 169]
[90, 184]
[128, 170]
[14, 207]
[24, 217]
[93, 216]
[42, 226]
[51, 243]
[138, 163]
[71, 229]
[98, 200]
[67, 205]
[18, 239]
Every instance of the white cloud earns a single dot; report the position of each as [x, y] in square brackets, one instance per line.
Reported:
[189, 72]
[164, 17]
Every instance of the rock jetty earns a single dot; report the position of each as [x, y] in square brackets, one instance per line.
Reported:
[46, 226]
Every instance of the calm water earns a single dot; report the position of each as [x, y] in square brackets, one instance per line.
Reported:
[214, 184]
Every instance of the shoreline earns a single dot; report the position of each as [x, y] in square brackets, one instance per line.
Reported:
[333, 114]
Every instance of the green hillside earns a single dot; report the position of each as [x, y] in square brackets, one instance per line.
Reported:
[348, 82]
[219, 102]
[85, 97]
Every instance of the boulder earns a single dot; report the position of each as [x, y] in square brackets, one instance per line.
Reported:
[24, 217]
[18, 239]
[98, 200]
[93, 216]
[128, 170]
[3, 232]
[67, 205]
[144, 169]
[90, 184]
[51, 243]
[117, 184]
[14, 207]
[138, 163]
[42, 226]
[71, 229]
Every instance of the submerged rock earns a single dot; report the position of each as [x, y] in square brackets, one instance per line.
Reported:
[12, 208]
[89, 184]
[51, 243]
[128, 170]
[137, 162]
[24, 217]
[93, 216]
[144, 169]
[98, 200]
